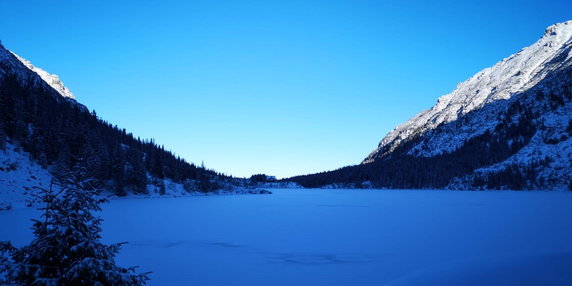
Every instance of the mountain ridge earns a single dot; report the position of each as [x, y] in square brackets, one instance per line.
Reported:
[509, 76]
[52, 79]
[21, 67]
[507, 127]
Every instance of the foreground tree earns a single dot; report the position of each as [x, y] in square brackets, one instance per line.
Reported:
[66, 249]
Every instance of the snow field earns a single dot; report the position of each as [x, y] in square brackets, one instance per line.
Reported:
[339, 237]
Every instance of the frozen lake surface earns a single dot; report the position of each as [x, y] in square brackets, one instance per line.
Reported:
[340, 237]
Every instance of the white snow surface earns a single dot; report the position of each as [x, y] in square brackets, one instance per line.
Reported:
[339, 237]
[19, 177]
[512, 75]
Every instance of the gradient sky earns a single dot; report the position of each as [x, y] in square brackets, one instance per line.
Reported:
[276, 87]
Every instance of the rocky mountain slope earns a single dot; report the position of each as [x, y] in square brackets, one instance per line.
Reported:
[29, 74]
[508, 77]
[507, 127]
[52, 79]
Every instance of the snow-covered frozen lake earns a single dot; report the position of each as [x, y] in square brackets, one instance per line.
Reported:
[340, 237]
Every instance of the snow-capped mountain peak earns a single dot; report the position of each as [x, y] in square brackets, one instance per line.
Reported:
[561, 31]
[512, 75]
[52, 79]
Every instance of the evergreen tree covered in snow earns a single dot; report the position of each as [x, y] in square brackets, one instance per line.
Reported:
[66, 249]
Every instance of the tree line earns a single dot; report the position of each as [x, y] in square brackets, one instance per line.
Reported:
[56, 131]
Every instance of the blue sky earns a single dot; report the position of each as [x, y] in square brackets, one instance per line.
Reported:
[276, 87]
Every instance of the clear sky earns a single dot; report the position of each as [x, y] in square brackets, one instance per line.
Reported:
[277, 87]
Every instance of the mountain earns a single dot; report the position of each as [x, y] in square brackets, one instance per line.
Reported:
[509, 126]
[510, 76]
[10, 63]
[51, 79]
[44, 130]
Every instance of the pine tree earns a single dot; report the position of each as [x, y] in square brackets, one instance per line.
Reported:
[135, 173]
[2, 138]
[66, 249]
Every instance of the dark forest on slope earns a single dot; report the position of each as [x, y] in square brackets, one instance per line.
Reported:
[518, 122]
[59, 132]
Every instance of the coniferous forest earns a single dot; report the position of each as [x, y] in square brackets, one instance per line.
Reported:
[60, 133]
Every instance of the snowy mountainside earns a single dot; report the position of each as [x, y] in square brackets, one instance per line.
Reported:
[510, 76]
[435, 142]
[507, 127]
[19, 177]
[10, 63]
[523, 102]
[544, 159]
[52, 79]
